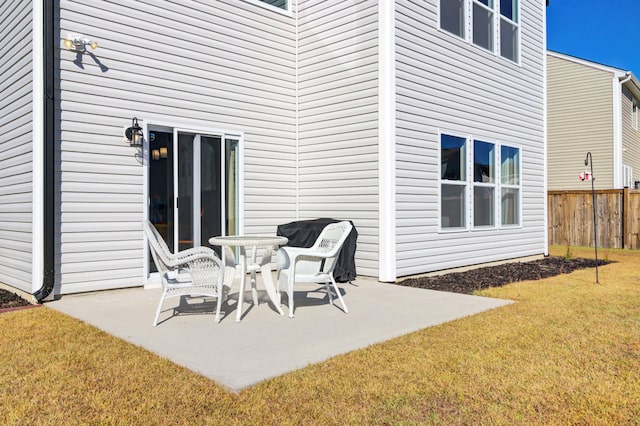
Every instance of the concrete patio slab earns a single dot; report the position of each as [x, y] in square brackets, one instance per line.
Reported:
[265, 344]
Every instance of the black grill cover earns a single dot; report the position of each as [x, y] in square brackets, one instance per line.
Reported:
[303, 233]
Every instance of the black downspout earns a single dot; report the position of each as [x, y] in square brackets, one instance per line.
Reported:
[49, 153]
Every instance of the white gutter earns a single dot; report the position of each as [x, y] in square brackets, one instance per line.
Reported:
[386, 142]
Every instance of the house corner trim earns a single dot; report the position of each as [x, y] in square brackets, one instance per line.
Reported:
[386, 141]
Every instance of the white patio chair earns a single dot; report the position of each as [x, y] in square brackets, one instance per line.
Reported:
[201, 265]
[314, 264]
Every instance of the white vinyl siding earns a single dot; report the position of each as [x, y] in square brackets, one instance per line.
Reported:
[338, 127]
[444, 83]
[580, 120]
[224, 65]
[16, 142]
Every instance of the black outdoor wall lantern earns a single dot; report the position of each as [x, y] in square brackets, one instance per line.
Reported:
[134, 133]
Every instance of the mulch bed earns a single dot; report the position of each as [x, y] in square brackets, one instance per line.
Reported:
[495, 276]
[458, 282]
[10, 301]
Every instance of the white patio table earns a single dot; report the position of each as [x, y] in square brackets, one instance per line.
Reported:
[264, 266]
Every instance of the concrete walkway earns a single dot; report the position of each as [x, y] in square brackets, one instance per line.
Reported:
[265, 344]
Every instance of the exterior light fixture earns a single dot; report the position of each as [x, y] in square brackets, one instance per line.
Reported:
[134, 133]
[79, 43]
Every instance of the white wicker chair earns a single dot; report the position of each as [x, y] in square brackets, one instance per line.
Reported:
[314, 264]
[202, 265]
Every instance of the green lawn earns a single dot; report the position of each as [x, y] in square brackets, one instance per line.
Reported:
[567, 353]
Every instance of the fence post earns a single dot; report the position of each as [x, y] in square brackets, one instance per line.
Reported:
[626, 219]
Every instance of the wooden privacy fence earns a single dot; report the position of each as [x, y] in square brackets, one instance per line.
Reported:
[617, 215]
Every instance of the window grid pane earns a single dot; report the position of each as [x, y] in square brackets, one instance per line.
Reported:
[508, 40]
[510, 206]
[510, 165]
[482, 27]
[452, 202]
[452, 17]
[509, 9]
[483, 206]
[453, 158]
[484, 162]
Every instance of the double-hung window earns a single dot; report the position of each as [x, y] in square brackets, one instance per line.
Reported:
[453, 177]
[493, 24]
[634, 114]
[486, 197]
[484, 184]
[510, 185]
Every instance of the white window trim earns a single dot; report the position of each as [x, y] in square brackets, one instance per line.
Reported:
[634, 113]
[497, 18]
[286, 12]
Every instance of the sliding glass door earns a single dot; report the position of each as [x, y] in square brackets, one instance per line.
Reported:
[193, 187]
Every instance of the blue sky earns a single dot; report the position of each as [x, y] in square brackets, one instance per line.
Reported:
[603, 31]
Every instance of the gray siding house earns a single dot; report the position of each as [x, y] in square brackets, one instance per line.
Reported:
[591, 108]
[422, 122]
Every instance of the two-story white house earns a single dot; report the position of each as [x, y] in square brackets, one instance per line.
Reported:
[423, 122]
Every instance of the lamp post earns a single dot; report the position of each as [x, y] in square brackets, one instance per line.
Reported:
[588, 161]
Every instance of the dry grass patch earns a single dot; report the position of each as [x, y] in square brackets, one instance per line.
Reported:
[568, 352]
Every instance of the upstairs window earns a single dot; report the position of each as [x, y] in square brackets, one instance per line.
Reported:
[634, 114]
[494, 24]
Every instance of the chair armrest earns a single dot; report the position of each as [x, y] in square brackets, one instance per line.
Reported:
[288, 256]
[295, 252]
[187, 257]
